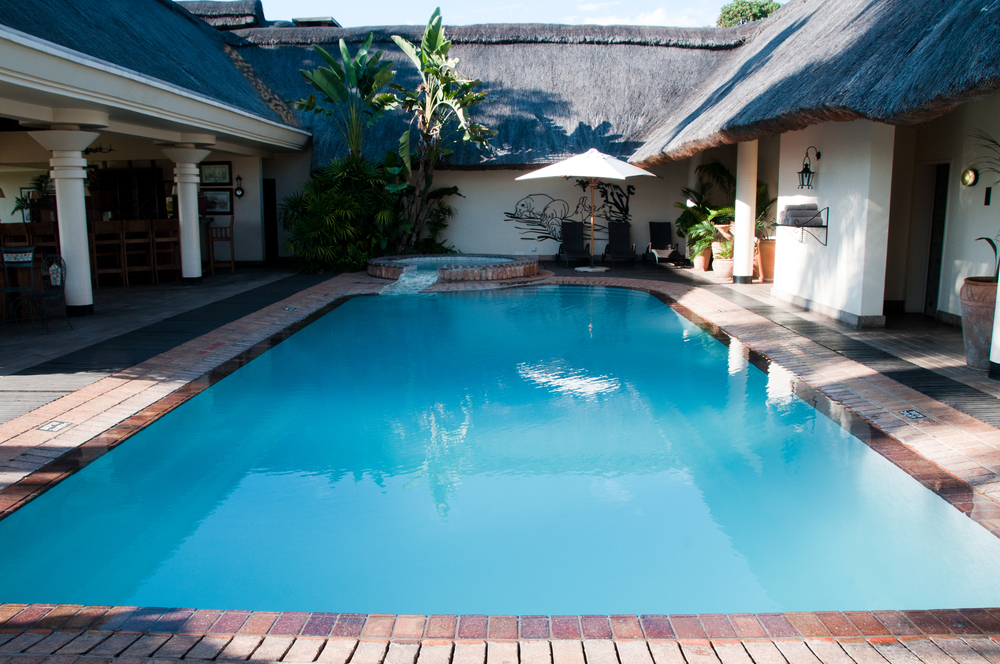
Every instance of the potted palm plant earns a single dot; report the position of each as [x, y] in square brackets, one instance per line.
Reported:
[979, 294]
[979, 299]
[701, 237]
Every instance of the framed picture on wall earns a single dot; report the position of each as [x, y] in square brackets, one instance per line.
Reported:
[216, 173]
[220, 201]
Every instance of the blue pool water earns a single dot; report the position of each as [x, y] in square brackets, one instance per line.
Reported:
[542, 451]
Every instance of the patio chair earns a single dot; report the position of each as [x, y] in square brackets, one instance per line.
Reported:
[620, 246]
[137, 243]
[222, 234]
[53, 288]
[107, 251]
[16, 262]
[166, 247]
[572, 242]
[660, 245]
[14, 235]
[44, 237]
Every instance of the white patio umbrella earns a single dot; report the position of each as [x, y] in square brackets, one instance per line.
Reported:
[591, 166]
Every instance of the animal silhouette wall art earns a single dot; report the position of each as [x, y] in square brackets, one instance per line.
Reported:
[539, 217]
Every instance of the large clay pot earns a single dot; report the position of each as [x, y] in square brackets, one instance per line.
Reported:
[701, 260]
[766, 249]
[723, 268]
[979, 299]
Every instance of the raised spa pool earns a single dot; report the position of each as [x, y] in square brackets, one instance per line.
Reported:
[549, 450]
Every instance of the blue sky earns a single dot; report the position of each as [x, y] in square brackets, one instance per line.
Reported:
[685, 13]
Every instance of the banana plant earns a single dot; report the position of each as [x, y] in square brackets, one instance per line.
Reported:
[439, 110]
[352, 91]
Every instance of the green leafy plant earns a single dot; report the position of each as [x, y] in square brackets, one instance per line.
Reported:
[438, 217]
[725, 250]
[702, 234]
[996, 258]
[41, 186]
[989, 163]
[715, 175]
[342, 216]
[440, 117]
[351, 91]
[740, 12]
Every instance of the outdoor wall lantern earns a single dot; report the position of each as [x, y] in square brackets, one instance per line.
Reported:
[239, 187]
[806, 174]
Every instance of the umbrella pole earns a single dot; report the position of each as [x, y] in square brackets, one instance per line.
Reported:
[592, 248]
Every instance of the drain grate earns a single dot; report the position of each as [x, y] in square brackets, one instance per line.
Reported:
[912, 414]
[54, 426]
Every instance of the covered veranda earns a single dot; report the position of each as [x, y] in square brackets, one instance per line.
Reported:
[60, 113]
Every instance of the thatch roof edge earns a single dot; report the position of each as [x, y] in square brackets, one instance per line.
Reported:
[808, 117]
[515, 33]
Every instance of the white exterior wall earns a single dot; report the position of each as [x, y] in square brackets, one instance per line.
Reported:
[289, 172]
[248, 222]
[479, 225]
[946, 140]
[846, 278]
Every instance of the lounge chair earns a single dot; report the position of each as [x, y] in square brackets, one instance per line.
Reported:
[620, 246]
[660, 245]
[572, 242]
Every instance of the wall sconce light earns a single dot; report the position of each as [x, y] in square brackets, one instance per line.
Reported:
[806, 174]
[239, 187]
[970, 177]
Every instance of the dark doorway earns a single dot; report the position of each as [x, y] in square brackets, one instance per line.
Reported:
[270, 222]
[938, 213]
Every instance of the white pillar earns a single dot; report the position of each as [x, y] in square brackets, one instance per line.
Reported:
[746, 212]
[186, 176]
[994, 370]
[68, 172]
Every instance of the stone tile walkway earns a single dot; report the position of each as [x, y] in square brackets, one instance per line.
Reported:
[66, 634]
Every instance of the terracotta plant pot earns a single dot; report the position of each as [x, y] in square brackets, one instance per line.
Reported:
[979, 298]
[723, 268]
[766, 249]
[701, 260]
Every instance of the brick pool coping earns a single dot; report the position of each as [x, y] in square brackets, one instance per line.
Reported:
[72, 633]
[950, 452]
[506, 267]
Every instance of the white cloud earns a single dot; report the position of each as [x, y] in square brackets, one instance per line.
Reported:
[594, 6]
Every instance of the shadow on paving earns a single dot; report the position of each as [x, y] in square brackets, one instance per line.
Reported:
[961, 397]
[137, 346]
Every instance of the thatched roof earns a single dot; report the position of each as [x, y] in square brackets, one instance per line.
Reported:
[894, 61]
[157, 38]
[557, 90]
[651, 94]
[227, 14]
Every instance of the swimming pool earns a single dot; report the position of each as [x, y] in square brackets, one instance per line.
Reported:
[550, 450]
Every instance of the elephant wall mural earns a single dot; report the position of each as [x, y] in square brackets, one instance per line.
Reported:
[539, 217]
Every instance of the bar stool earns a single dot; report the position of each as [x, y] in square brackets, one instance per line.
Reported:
[221, 234]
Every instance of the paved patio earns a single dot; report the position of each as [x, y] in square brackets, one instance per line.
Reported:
[951, 452]
[47, 634]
